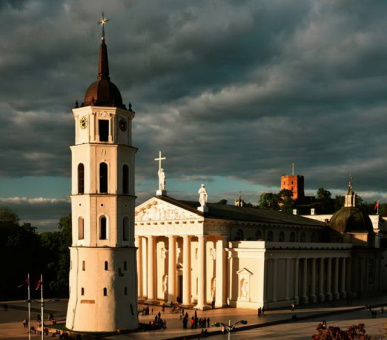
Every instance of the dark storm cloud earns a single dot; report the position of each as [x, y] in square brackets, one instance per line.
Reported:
[42, 213]
[239, 89]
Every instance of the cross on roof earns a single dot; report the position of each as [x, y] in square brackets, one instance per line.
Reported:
[103, 23]
[160, 159]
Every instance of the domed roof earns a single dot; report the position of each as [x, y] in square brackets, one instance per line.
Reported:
[351, 220]
[103, 92]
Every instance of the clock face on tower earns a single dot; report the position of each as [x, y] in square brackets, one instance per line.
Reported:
[83, 122]
[122, 124]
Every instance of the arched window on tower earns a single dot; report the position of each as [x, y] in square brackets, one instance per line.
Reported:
[258, 235]
[103, 178]
[103, 228]
[103, 129]
[81, 178]
[125, 229]
[81, 228]
[125, 179]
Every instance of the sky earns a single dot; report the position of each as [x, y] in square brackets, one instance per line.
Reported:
[231, 92]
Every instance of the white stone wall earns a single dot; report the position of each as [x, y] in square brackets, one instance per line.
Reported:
[92, 311]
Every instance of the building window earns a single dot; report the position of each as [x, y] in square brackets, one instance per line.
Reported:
[83, 265]
[125, 229]
[270, 236]
[258, 235]
[103, 178]
[103, 128]
[125, 179]
[302, 237]
[81, 178]
[313, 238]
[126, 291]
[125, 266]
[82, 291]
[239, 235]
[105, 292]
[292, 236]
[106, 265]
[131, 309]
[103, 227]
[282, 236]
[81, 228]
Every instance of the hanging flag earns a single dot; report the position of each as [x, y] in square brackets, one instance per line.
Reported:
[38, 285]
[376, 205]
[24, 283]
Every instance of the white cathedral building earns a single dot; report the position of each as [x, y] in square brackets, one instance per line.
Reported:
[103, 280]
[203, 254]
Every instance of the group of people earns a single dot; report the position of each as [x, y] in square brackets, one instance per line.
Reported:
[195, 321]
[261, 311]
[157, 323]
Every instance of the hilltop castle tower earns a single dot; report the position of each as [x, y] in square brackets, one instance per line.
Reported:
[103, 275]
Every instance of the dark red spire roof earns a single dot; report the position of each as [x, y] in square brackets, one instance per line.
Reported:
[103, 92]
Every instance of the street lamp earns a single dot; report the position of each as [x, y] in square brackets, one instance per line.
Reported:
[229, 328]
[42, 305]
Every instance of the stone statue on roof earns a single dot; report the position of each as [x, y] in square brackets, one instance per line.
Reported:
[161, 179]
[203, 195]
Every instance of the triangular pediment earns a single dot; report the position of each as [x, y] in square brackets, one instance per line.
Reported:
[158, 210]
[244, 271]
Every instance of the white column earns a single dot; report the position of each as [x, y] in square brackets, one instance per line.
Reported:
[186, 270]
[343, 292]
[138, 241]
[287, 280]
[329, 280]
[151, 269]
[313, 296]
[305, 298]
[274, 283]
[201, 273]
[321, 295]
[296, 267]
[171, 269]
[336, 294]
[221, 279]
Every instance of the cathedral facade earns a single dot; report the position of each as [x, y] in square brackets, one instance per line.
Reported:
[249, 258]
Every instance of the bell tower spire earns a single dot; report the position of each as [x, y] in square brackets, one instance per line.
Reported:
[103, 63]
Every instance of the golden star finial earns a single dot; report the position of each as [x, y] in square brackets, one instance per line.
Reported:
[103, 23]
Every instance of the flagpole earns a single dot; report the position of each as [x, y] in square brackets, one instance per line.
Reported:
[41, 299]
[29, 308]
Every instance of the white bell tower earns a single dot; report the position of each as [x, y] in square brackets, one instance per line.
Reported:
[103, 275]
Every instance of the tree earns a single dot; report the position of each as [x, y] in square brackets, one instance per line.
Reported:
[286, 200]
[323, 194]
[21, 244]
[222, 202]
[269, 200]
[56, 257]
